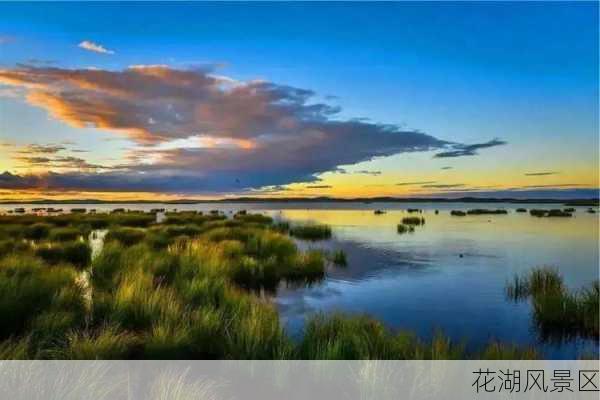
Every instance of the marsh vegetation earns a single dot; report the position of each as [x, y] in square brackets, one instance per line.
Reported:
[558, 312]
[189, 287]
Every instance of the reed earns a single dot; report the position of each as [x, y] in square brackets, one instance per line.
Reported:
[403, 228]
[413, 221]
[458, 213]
[311, 232]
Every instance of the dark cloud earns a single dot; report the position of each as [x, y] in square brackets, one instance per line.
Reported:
[319, 187]
[553, 186]
[247, 134]
[414, 183]
[443, 186]
[461, 150]
[42, 148]
[541, 173]
[447, 167]
[365, 172]
[58, 162]
[545, 193]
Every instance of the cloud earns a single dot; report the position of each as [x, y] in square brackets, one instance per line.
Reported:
[461, 150]
[6, 39]
[195, 132]
[58, 162]
[42, 148]
[319, 187]
[91, 46]
[365, 172]
[541, 173]
[446, 168]
[414, 183]
[443, 186]
[557, 185]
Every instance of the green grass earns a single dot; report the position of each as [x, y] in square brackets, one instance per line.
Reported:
[339, 258]
[126, 236]
[65, 234]
[29, 288]
[483, 211]
[402, 228]
[559, 213]
[413, 221]
[311, 232]
[343, 337]
[458, 213]
[558, 312]
[37, 231]
[76, 253]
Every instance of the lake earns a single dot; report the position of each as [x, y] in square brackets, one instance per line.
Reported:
[449, 275]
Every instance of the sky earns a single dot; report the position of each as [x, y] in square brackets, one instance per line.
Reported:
[211, 100]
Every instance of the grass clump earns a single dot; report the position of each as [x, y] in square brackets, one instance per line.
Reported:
[29, 288]
[403, 228]
[558, 312]
[521, 210]
[103, 343]
[126, 236]
[379, 212]
[253, 218]
[36, 231]
[458, 213]
[549, 213]
[413, 221]
[65, 234]
[77, 254]
[311, 232]
[559, 213]
[483, 211]
[339, 258]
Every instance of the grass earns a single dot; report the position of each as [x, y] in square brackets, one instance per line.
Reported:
[458, 213]
[126, 236]
[77, 254]
[483, 211]
[65, 234]
[402, 228]
[343, 337]
[559, 213]
[558, 312]
[378, 212]
[549, 213]
[188, 288]
[311, 232]
[37, 231]
[29, 288]
[521, 210]
[339, 258]
[413, 221]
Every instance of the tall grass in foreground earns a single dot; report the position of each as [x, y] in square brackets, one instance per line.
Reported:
[558, 312]
[342, 337]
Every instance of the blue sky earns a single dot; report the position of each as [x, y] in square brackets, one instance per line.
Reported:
[526, 73]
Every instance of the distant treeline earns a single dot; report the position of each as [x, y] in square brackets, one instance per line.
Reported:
[576, 202]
